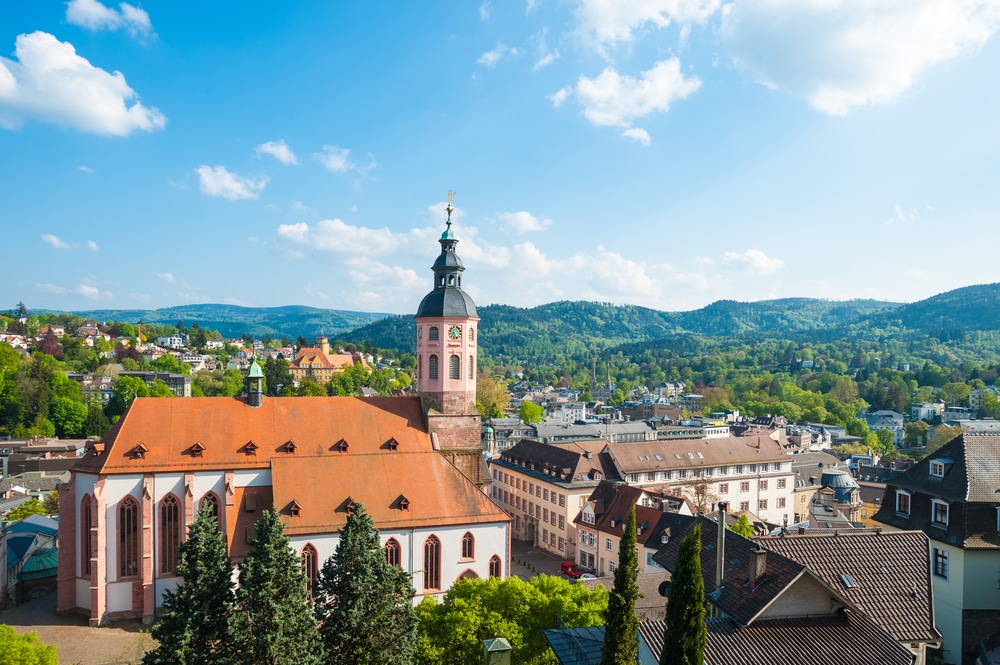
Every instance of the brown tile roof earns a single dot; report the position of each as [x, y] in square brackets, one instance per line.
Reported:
[641, 456]
[570, 461]
[168, 427]
[844, 638]
[890, 573]
[970, 485]
[398, 489]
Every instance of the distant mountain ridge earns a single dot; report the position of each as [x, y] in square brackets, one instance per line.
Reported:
[234, 320]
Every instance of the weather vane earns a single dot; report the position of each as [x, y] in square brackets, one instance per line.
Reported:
[450, 207]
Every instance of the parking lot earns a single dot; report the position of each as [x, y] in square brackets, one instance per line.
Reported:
[527, 561]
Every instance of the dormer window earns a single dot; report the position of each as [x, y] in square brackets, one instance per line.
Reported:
[903, 503]
[937, 469]
[403, 502]
[197, 449]
[392, 444]
[349, 506]
[341, 446]
[289, 447]
[250, 448]
[295, 508]
[139, 451]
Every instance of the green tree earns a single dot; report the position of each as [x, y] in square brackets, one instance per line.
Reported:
[364, 605]
[685, 636]
[126, 389]
[531, 412]
[51, 502]
[273, 621]
[130, 364]
[68, 415]
[30, 507]
[473, 610]
[915, 433]
[621, 624]
[160, 389]
[941, 435]
[886, 441]
[310, 388]
[194, 626]
[276, 375]
[96, 422]
[743, 527]
[25, 649]
[492, 396]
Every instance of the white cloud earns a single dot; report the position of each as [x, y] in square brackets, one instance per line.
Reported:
[841, 55]
[93, 246]
[704, 261]
[484, 10]
[900, 216]
[50, 83]
[338, 160]
[51, 288]
[334, 235]
[85, 169]
[279, 150]
[490, 58]
[604, 23]
[93, 15]
[637, 134]
[546, 60]
[523, 221]
[55, 241]
[561, 95]
[92, 292]
[753, 262]
[166, 276]
[217, 181]
[616, 100]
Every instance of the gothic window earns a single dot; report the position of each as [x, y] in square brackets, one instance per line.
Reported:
[453, 367]
[432, 563]
[432, 367]
[310, 566]
[468, 546]
[496, 568]
[432, 333]
[212, 501]
[392, 552]
[170, 533]
[86, 523]
[128, 537]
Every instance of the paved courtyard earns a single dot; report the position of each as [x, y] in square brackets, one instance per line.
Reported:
[122, 643]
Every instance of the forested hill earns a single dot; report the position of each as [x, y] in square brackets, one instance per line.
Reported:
[235, 321]
[969, 308]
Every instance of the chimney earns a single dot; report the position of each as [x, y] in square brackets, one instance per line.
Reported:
[758, 564]
[586, 454]
[720, 548]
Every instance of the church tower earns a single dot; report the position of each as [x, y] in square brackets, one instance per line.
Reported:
[446, 357]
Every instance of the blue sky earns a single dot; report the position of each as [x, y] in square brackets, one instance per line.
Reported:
[666, 153]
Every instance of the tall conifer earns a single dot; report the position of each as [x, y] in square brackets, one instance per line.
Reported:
[686, 635]
[273, 622]
[364, 605]
[195, 621]
[621, 625]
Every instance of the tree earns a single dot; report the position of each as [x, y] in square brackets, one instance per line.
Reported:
[743, 527]
[685, 636]
[276, 375]
[51, 503]
[30, 507]
[886, 441]
[69, 416]
[194, 626]
[915, 433]
[365, 605]
[941, 435]
[126, 389]
[701, 492]
[50, 345]
[25, 649]
[476, 609]
[273, 620]
[621, 624]
[492, 396]
[531, 412]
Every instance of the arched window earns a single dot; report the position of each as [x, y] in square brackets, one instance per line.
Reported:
[472, 334]
[212, 501]
[310, 566]
[453, 367]
[496, 568]
[128, 537]
[86, 545]
[392, 552]
[432, 367]
[432, 333]
[472, 367]
[451, 280]
[468, 546]
[432, 564]
[420, 367]
[170, 533]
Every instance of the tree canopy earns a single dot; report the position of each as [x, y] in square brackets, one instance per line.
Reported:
[16, 649]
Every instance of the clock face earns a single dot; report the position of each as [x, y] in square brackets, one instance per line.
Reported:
[454, 332]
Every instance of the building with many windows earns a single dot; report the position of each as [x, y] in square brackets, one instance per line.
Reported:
[952, 496]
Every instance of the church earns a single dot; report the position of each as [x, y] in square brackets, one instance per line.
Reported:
[415, 464]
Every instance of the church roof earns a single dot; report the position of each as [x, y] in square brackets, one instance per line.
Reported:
[447, 301]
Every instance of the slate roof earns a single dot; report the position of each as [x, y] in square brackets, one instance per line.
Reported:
[971, 486]
[565, 462]
[740, 600]
[890, 572]
[844, 638]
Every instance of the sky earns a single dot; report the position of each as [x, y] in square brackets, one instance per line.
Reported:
[663, 153]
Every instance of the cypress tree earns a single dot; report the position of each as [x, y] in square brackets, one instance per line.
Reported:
[621, 625]
[364, 604]
[685, 635]
[273, 622]
[195, 621]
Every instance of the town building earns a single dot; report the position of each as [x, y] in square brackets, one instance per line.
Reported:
[129, 501]
[317, 363]
[951, 496]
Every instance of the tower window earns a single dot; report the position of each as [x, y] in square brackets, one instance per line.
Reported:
[420, 367]
[432, 333]
[454, 365]
[472, 367]
[432, 366]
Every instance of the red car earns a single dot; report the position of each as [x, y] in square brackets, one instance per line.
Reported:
[571, 569]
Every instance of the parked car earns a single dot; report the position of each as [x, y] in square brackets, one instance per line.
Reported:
[571, 569]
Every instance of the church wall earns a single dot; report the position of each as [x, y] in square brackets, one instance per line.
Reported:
[252, 478]
[119, 597]
[83, 593]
